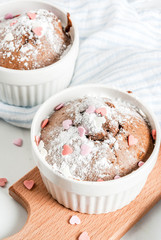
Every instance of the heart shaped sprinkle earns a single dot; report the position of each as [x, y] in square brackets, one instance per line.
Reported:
[29, 184]
[90, 109]
[67, 123]
[13, 23]
[100, 180]
[32, 16]
[117, 177]
[85, 149]
[37, 31]
[44, 123]
[99, 121]
[74, 220]
[67, 150]
[154, 134]
[8, 16]
[37, 140]
[81, 131]
[101, 111]
[18, 142]
[9, 37]
[140, 163]
[3, 182]
[84, 236]
[16, 15]
[132, 140]
[58, 107]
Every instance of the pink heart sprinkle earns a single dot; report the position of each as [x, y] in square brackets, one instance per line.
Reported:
[37, 30]
[3, 182]
[18, 142]
[90, 109]
[8, 16]
[29, 184]
[67, 123]
[84, 236]
[100, 180]
[44, 123]
[140, 163]
[58, 107]
[74, 220]
[117, 177]
[154, 134]
[81, 131]
[12, 23]
[32, 16]
[132, 140]
[85, 149]
[17, 15]
[37, 140]
[101, 111]
[67, 150]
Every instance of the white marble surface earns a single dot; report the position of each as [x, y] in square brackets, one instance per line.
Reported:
[17, 161]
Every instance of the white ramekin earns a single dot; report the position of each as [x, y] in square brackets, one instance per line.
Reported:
[33, 87]
[93, 197]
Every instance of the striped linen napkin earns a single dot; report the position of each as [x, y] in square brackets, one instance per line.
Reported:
[120, 46]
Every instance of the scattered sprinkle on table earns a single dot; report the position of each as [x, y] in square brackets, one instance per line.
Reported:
[84, 236]
[3, 182]
[74, 220]
[29, 184]
[18, 142]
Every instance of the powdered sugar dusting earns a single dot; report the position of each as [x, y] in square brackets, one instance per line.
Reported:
[18, 38]
[109, 153]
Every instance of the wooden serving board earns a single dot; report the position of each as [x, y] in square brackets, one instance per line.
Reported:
[48, 220]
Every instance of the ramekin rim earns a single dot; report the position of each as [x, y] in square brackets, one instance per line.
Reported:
[112, 181]
[74, 42]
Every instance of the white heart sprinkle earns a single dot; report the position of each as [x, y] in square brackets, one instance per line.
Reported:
[99, 121]
[74, 220]
[9, 37]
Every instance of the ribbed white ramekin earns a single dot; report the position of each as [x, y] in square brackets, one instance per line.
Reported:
[33, 87]
[93, 197]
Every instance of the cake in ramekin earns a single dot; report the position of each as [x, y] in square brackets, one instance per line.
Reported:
[38, 51]
[32, 40]
[95, 138]
[95, 147]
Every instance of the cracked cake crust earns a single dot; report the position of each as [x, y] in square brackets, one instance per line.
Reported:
[108, 153]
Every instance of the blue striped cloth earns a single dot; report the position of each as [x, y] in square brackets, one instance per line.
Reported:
[120, 46]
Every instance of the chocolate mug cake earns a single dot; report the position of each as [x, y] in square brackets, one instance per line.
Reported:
[95, 139]
[32, 40]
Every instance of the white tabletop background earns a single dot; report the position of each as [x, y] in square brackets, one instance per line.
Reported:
[15, 162]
